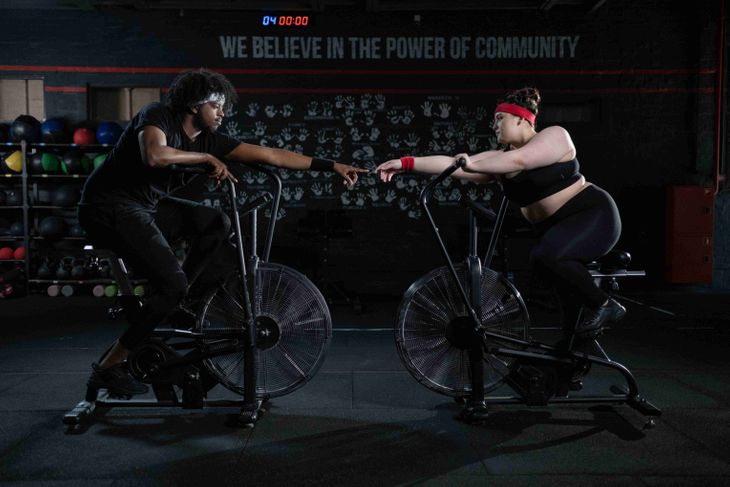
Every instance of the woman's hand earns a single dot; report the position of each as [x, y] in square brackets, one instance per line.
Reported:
[348, 173]
[466, 167]
[388, 169]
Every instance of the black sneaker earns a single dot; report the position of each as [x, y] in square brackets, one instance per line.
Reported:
[593, 322]
[115, 379]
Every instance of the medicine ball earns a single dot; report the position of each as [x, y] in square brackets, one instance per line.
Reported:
[86, 165]
[25, 127]
[13, 162]
[53, 131]
[71, 163]
[19, 253]
[108, 133]
[99, 160]
[52, 227]
[51, 163]
[17, 229]
[65, 196]
[14, 197]
[35, 163]
[84, 136]
[76, 230]
[6, 253]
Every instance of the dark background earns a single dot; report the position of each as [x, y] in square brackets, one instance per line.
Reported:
[638, 98]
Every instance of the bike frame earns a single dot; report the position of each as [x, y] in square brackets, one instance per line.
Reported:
[524, 349]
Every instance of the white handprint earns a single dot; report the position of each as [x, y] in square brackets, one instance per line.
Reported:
[312, 108]
[444, 109]
[412, 140]
[369, 117]
[390, 195]
[427, 108]
[374, 134]
[403, 203]
[303, 134]
[298, 193]
[321, 136]
[473, 142]
[345, 198]
[287, 110]
[355, 134]
[394, 141]
[348, 116]
[317, 189]
[270, 111]
[394, 116]
[455, 195]
[407, 117]
[326, 109]
[286, 194]
[374, 196]
[365, 101]
[380, 102]
[252, 109]
[259, 129]
[287, 134]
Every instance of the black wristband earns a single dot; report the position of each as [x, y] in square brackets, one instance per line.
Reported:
[319, 164]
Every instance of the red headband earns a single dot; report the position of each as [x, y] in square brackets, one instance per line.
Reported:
[516, 110]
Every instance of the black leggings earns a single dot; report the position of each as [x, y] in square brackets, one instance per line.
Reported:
[583, 229]
[141, 237]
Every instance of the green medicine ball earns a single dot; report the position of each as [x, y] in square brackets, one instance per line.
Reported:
[99, 160]
[51, 163]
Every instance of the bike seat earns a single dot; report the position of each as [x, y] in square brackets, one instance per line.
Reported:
[615, 260]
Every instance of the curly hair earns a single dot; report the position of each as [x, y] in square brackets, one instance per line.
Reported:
[527, 97]
[197, 84]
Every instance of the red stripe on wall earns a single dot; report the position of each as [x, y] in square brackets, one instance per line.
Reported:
[486, 91]
[360, 72]
[65, 89]
[430, 91]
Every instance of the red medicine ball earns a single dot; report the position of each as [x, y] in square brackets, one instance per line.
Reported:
[84, 136]
[19, 253]
[6, 253]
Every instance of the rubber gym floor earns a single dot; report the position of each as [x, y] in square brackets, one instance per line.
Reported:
[363, 420]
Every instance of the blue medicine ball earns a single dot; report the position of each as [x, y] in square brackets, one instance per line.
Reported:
[108, 133]
[53, 131]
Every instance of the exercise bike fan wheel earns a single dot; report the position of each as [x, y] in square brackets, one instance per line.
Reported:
[434, 331]
[294, 329]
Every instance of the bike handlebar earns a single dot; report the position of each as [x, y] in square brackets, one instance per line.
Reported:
[426, 192]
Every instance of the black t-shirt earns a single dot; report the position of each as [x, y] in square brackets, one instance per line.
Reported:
[125, 179]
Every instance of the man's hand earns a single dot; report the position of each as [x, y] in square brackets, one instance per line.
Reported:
[348, 173]
[219, 171]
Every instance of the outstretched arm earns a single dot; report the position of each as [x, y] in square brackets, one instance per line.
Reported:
[289, 160]
[547, 147]
[428, 165]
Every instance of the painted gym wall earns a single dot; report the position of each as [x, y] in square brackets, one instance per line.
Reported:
[633, 83]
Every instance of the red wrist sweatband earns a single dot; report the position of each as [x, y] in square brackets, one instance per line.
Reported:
[407, 162]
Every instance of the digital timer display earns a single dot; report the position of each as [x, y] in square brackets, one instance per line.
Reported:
[285, 20]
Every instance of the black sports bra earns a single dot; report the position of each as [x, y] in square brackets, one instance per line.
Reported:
[532, 185]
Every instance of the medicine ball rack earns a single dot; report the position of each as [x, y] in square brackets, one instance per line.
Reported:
[31, 185]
